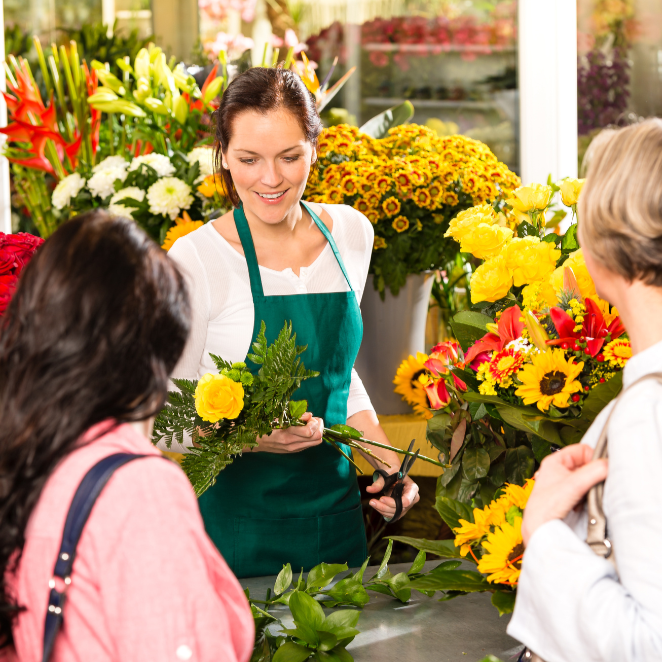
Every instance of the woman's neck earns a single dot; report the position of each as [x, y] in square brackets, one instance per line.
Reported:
[640, 308]
[275, 232]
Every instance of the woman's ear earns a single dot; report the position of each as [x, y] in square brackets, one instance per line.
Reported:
[224, 161]
[313, 161]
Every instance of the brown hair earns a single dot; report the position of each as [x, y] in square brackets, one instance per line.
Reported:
[262, 89]
[620, 207]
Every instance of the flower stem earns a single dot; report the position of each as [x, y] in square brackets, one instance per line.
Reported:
[342, 452]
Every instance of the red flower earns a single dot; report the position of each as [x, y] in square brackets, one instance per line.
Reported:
[442, 357]
[7, 288]
[509, 328]
[438, 395]
[594, 329]
[18, 249]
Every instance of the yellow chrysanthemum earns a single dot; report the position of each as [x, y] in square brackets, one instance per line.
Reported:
[391, 206]
[505, 548]
[469, 219]
[550, 378]
[400, 224]
[379, 242]
[529, 260]
[183, 227]
[485, 241]
[491, 281]
[409, 385]
[349, 185]
[372, 216]
[335, 195]
[618, 352]
[362, 206]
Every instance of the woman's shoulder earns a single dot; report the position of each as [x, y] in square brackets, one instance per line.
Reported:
[350, 224]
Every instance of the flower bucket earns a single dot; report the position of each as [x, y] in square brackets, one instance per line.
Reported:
[392, 330]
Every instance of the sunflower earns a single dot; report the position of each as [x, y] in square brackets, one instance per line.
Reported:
[469, 532]
[335, 195]
[183, 227]
[391, 206]
[618, 352]
[410, 381]
[504, 364]
[549, 379]
[400, 224]
[516, 495]
[380, 242]
[505, 548]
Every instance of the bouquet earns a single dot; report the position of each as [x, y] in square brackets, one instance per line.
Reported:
[16, 250]
[409, 184]
[225, 413]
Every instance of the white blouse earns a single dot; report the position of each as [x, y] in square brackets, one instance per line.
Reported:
[571, 604]
[222, 303]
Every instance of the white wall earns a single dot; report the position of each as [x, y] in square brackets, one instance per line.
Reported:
[548, 89]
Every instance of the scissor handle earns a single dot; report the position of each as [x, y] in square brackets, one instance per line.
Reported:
[390, 480]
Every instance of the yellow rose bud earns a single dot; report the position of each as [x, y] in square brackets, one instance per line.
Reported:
[491, 281]
[583, 278]
[535, 197]
[469, 219]
[528, 259]
[218, 397]
[486, 241]
[570, 190]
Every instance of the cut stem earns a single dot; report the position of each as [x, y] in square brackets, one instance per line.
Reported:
[347, 457]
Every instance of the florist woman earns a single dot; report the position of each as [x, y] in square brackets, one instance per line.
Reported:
[571, 603]
[278, 259]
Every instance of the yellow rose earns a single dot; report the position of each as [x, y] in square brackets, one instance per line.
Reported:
[535, 197]
[570, 190]
[217, 397]
[491, 281]
[578, 266]
[485, 241]
[528, 259]
[469, 219]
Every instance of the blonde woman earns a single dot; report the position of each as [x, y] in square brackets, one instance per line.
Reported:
[572, 604]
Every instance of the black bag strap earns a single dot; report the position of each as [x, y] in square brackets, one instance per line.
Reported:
[79, 511]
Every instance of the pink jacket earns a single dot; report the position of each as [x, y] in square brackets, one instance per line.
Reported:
[147, 583]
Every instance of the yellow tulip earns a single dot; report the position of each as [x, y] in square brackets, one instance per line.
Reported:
[535, 197]
[570, 190]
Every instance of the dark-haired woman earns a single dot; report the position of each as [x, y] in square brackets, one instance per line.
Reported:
[278, 259]
[99, 320]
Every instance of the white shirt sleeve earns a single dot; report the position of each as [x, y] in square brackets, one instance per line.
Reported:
[571, 604]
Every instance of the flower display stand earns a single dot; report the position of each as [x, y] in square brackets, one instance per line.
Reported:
[392, 330]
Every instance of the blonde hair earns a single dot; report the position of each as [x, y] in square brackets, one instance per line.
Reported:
[620, 207]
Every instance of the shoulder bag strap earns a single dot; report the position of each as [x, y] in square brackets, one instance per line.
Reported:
[596, 536]
[79, 511]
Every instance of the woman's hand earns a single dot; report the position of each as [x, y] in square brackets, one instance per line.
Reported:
[386, 505]
[294, 439]
[563, 480]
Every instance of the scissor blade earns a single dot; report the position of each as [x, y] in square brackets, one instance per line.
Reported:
[410, 462]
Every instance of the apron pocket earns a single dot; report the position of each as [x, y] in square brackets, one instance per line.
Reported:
[263, 546]
[342, 538]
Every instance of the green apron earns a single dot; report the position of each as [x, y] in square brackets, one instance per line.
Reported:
[268, 509]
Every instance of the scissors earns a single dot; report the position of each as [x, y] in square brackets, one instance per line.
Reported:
[394, 483]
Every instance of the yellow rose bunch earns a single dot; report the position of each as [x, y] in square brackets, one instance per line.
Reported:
[529, 260]
[486, 241]
[491, 281]
[469, 219]
[218, 397]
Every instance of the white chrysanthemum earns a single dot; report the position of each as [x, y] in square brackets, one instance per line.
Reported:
[520, 345]
[205, 157]
[102, 183]
[169, 196]
[159, 162]
[117, 209]
[67, 188]
[111, 162]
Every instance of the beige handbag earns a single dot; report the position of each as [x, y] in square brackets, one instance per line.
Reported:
[596, 537]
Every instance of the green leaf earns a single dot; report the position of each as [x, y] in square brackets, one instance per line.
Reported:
[525, 229]
[600, 396]
[552, 238]
[383, 568]
[341, 620]
[571, 435]
[347, 431]
[291, 652]
[477, 410]
[306, 610]
[452, 580]
[284, 580]
[322, 575]
[519, 418]
[569, 243]
[350, 591]
[327, 640]
[452, 511]
[520, 464]
[541, 448]
[469, 326]
[379, 125]
[491, 658]
[475, 463]
[443, 548]
[446, 565]
[418, 563]
[439, 421]
[504, 601]
[297, 409]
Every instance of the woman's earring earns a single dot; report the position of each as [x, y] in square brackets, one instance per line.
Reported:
[225, 165]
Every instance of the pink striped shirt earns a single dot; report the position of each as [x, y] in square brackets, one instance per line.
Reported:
[147, 583]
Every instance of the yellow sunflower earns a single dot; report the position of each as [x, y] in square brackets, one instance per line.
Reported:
[469, 532]
[618, 352]
[505, 548]
[516, 495]
[183, 227]
[400, 224]
[380, 242]
[391, 206]
[549, 379]
[410, 386]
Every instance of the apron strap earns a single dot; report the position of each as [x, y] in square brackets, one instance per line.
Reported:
[244, 233]
[325, 231]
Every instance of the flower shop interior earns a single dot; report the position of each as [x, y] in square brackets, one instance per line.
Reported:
[459, 128]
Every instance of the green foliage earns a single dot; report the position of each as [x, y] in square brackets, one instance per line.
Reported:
[469, 326]
[266, 407]
[379, 125]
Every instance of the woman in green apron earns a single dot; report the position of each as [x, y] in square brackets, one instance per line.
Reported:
[277, 259]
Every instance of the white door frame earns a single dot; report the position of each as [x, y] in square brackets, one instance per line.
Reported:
[5, 195]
